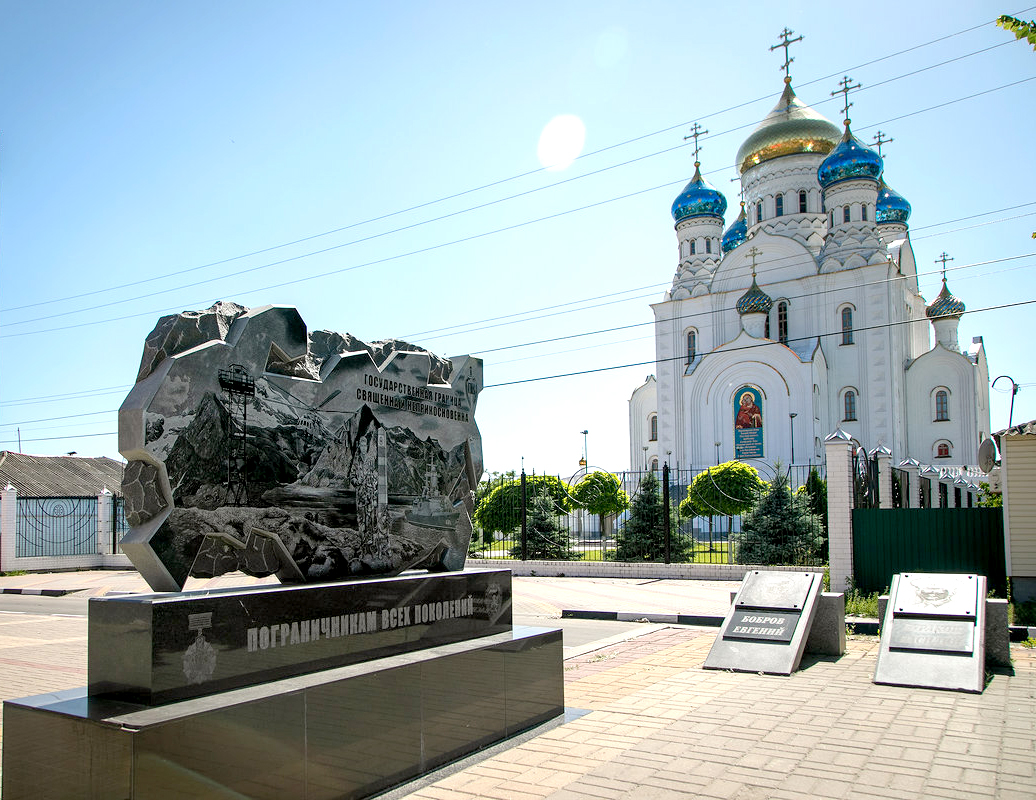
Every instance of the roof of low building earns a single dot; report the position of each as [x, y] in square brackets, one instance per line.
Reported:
[1025, 429]
[59, 476]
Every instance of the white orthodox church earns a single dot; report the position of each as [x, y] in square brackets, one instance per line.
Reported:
[804, 316]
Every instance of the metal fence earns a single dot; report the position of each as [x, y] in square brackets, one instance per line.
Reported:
[56, 526]
[119, 523]
[533, 517]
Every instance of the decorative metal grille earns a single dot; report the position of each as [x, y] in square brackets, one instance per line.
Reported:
[56, 526]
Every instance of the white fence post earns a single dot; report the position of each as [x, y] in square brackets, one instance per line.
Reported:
[884, 458]
[8, 526]
[838, 450]
[104, 522]
[910, 496]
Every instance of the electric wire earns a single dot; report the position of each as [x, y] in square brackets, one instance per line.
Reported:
[466, 210]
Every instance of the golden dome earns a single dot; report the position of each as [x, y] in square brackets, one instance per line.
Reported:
[792, 127]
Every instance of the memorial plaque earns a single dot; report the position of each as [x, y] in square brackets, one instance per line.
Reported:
[944, 595]
[950, 636]
[933, 634]
[786, 590]
[768, 623]
[762, 626]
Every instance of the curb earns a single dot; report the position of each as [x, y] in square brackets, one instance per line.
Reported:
[866, 627]
[41, 592]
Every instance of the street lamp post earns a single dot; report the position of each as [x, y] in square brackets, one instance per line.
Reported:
[717, 453]
[1014, 391]
[645, 458]
[792, 416]
[585, 458]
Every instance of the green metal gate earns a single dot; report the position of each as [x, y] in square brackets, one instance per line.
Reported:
[889, 541]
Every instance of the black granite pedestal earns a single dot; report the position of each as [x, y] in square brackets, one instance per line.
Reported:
[341, 732]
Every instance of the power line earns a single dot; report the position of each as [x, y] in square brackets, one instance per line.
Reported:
[440, 218]
[683, 357]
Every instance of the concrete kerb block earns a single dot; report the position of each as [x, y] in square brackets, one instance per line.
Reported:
[998, 634]
[827, 635]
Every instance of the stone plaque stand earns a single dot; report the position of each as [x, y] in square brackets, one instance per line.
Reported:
[409, 674]
[768, 624]
[933, 633]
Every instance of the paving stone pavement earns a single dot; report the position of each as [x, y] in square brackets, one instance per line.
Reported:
[658, 726]
[661, 727]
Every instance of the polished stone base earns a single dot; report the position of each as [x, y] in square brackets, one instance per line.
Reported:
[342, 733]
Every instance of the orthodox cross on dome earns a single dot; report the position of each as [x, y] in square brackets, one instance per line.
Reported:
[786, 42]
[846, 87]
[740, 189]
[880, 139]
[942, 260]
[755, 251]
[696, 131]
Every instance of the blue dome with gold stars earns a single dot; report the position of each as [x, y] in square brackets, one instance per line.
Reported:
[851, 160]
[892, 206]
[737, 233]
[945, 304]
[698, 199]
[754, 300]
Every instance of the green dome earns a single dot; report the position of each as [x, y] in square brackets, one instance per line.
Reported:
[792, 127]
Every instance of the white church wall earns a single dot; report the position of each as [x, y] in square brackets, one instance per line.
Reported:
[643, 405]
[940, 369]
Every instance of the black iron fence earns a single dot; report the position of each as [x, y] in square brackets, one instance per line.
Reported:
[536, 517]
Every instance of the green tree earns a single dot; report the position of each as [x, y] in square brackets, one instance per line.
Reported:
[601, 493]
[501, 510]
[1021, 30]
[643, 536]
[780, 529]
[545, 537]
[990, 499]
[725, 490]
[814, 493]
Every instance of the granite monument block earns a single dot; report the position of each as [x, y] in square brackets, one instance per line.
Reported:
[158, 648]
[933, 632]
[254, 444]
[768, 623]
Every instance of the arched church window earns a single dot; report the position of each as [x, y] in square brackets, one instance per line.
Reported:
[766, 328]
[782, 322]
[942, 406]
[863, 210]
[759, 211]
[778, 203]
[654, 465]
[850, 405]
[693, 248]
[802, 201]
[692, 346]
[708, 245]
[943, 450]
[845, 213]
[831, 218]
[653, 426]
[847, 325]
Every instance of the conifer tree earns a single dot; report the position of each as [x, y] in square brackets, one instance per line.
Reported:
[780, 529]
[545, 538]
[643, 536]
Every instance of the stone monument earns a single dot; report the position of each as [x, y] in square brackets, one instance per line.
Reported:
[347, 470]
[254, 445]
[768, 623]
[933, 633]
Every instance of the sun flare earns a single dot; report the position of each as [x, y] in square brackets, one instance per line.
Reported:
[561, 142]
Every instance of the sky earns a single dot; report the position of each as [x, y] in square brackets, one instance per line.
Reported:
[381, 168]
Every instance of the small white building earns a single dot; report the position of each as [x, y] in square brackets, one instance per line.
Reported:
[805, 315]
